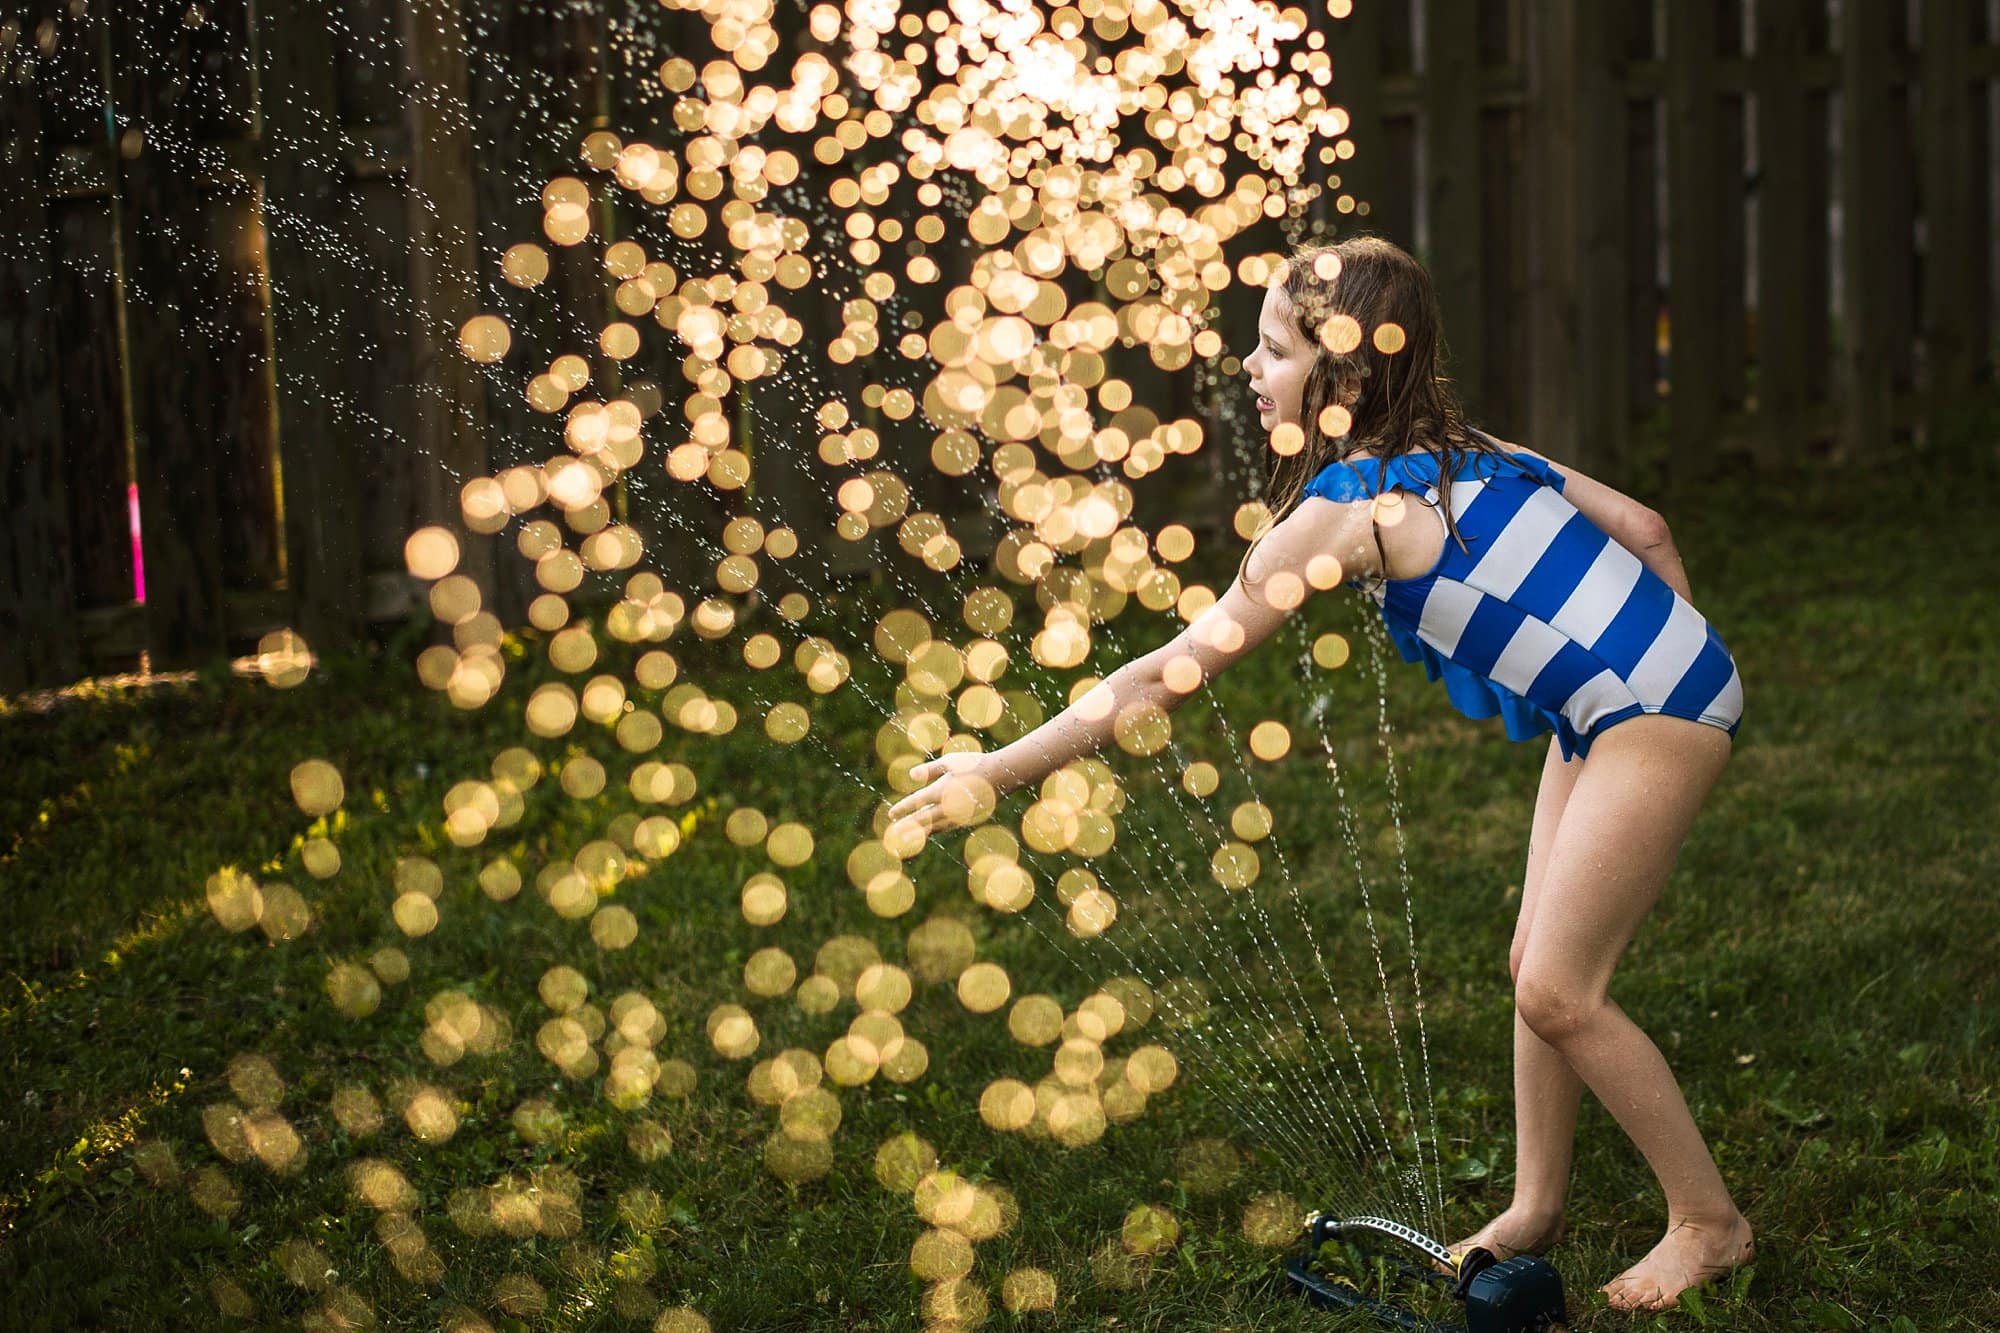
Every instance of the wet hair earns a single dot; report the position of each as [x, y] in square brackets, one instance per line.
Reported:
[1406, 402]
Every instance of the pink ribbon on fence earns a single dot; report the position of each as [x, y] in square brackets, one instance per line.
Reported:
[138, 556]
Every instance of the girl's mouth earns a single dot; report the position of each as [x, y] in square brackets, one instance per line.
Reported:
[1266, 405]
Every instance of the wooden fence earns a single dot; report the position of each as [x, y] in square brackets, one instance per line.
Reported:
[1671, 238]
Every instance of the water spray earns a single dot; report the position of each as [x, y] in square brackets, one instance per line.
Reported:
[1521, 1295]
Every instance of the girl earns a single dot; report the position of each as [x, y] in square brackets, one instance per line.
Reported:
[1537, 594]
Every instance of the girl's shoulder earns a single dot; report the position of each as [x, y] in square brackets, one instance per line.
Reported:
[1363, 476]
[1341, 480]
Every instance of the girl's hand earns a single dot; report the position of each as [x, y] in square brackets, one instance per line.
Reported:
[961, 789]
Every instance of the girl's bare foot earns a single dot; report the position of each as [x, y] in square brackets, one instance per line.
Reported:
[1690, 1253]
[1516, 1231]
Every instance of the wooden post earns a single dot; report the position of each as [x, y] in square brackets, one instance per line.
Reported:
[177, 401]
[1452, 188]
[38, 638]
[1694, 237]
[1576, 304]
[1866, 161]
[1955, 209]
[304, 166]
[450, 441]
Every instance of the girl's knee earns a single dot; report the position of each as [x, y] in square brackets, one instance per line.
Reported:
[1554, 1007]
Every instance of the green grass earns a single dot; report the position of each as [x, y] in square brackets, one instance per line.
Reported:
[1820, 973]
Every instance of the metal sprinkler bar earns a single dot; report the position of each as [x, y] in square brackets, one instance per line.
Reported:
[1397, 1231]
[1522, 1295]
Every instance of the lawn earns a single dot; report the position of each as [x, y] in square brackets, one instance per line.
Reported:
[543, 1054]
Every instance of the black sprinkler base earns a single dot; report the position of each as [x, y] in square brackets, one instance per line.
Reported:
[1522, 1295]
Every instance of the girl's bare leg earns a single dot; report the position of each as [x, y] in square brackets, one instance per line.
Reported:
[1620, 835]
[1547, 1092]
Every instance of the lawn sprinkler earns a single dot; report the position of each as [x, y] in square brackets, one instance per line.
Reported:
[1522, 1295]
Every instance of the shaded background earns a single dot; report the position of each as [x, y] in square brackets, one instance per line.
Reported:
[1675, 243]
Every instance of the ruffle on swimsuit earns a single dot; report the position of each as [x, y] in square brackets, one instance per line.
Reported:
[1471, 693]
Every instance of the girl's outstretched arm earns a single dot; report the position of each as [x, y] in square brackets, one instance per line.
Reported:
[1319, 545]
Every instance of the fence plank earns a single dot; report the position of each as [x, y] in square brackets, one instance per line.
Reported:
[178, 399]
[1399, 36]
[1980, 254]
[791, 486]
[1394, 214]
[304, 177]
[378, 418]
[1452, 188]
[580, 283]
[1898, 190]
[1503, 263]
[1730, 170]
[1784, 150]
[1505, 235]
[1694, 236]
[1954, 204]
[375, 410]
[1867, 225]
[234, 315]
[680, 521]
[906, 444]
[1576, 307]
[450, 436]
[1639, 258]
[90, 395]
[1355, 44]
[38, 641]
[245, 446]
[520, 54]
[366, 68]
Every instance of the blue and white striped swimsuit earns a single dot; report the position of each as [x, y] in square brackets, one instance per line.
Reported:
[1543, 620]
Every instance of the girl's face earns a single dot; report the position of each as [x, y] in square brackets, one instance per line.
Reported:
[1278, 367]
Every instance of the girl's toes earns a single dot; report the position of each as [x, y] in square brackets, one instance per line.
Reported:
[1628, 1293]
